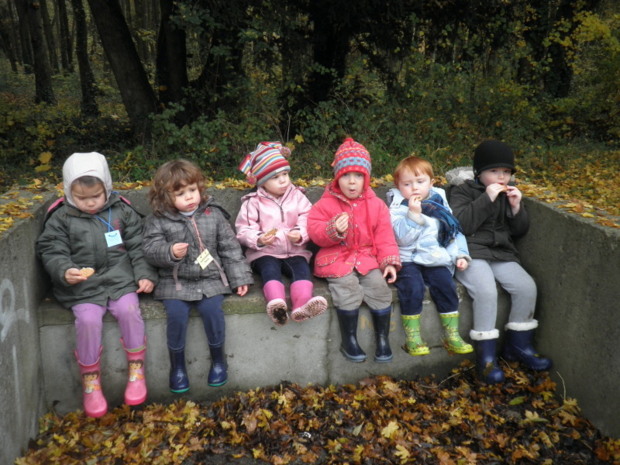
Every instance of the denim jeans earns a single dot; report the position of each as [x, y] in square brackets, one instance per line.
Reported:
[270, 268]
[210, 310]
[411, 282]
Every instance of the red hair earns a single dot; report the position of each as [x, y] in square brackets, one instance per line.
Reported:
[415, 165]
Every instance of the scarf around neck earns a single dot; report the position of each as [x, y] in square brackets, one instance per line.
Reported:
[449, 226]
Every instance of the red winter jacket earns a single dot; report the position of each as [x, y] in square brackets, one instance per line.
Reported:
[369, 243]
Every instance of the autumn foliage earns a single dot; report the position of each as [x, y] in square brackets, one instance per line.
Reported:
[454, 421]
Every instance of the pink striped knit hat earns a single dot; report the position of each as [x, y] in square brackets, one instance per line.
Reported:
[267, 160]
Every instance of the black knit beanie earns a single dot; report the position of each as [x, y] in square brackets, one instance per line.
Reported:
[493, 154]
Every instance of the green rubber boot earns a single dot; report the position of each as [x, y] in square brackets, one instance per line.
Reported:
[452, 340]
[414, 345]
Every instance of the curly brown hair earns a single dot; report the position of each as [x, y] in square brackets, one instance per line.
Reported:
[170, 177]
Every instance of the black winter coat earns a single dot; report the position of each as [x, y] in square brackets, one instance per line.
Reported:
[488, 226]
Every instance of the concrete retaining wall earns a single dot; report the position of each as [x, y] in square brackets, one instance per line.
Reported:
[575, 263]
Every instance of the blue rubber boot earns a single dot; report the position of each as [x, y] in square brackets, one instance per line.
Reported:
[349, 346]
[381, 322]
[485, 346]
[179, 382]
[218, 373]
[518, 346]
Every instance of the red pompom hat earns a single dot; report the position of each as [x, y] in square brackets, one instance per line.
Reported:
[352, 156]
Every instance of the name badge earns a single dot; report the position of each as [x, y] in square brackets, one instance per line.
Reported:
[204, 259]
[113, 238]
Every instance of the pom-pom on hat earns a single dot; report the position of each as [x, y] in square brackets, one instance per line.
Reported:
[493, 154]
[350, 157]
[267, 160]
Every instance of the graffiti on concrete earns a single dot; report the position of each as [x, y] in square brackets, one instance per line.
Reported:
[9, 315]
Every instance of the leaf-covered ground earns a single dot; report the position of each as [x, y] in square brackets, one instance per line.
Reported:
[454, 421]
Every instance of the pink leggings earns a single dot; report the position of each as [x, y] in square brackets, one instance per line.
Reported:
[89, 325]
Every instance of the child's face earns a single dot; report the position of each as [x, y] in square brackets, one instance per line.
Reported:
[495, 176]
[351, 184]
[414, 185]
[277, 185]
[187, 198]
[89, 199]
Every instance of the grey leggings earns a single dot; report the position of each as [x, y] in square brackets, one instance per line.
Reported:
[479, 280]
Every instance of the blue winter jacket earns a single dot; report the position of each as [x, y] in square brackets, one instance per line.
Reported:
[418, 242]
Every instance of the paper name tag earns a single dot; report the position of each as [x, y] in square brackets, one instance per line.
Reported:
[113, 238]
[204, 259]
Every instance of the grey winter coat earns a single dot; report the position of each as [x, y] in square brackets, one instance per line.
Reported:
[488, 226]
[74, 239]
[184, 279]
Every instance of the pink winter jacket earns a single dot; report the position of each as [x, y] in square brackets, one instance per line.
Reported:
[369, 243]
[260, 212]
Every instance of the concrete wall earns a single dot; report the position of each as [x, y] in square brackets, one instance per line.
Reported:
[575, 263]
[22, 285]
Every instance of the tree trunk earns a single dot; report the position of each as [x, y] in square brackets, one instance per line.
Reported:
[171, 57]
[49, 36]
[136, 92]
[330, 39]
[65, 37]
[42, 70]
[89, 106]
[27, 58]
[7, 42]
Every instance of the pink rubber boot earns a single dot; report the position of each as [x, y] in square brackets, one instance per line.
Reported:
[95, 404]
[304, 305]
[135, 392]
[276, 301]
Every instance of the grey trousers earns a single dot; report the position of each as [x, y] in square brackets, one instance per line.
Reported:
[349, 291]
[480, 281]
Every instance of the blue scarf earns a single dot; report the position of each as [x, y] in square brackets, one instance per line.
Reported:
[449, 226]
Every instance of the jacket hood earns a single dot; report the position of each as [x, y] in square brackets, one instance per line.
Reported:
[86, 164]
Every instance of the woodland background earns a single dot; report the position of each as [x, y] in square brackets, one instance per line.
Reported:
[143, 81]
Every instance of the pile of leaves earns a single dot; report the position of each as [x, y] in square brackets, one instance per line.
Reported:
[454, 421]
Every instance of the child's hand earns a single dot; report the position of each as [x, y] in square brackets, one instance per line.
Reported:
[462, 264]
[294, 236]
[341, 222]
[179, 250]
[242, 290]
[146, 286]
[415, 204]
[266, 239]
[493, 190]
[390, 273]
[514, 199]
[74, 276]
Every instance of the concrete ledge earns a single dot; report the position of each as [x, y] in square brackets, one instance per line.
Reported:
[259, 353]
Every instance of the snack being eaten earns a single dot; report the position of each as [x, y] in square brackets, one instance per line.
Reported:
[504, 188]
[87, 272]
[269, 234]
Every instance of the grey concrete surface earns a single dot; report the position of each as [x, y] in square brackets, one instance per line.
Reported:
[574, 261]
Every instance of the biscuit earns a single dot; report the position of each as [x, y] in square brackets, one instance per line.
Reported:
[271, 232]
[87, 272]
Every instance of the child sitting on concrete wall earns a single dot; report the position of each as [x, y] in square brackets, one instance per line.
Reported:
[189, 239]
[431, 248]
[271, 224]
[358, 251]
[491, 212]
[91, 246]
